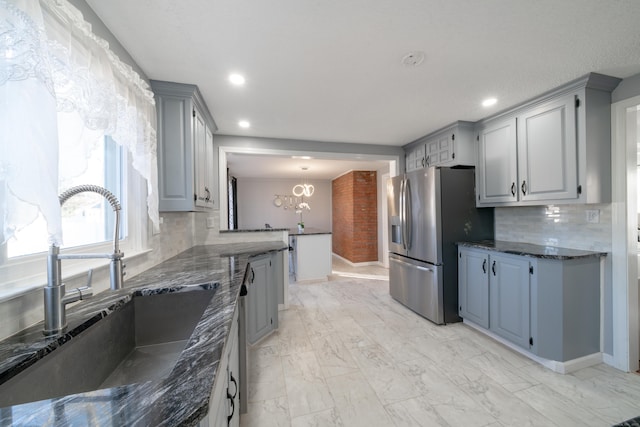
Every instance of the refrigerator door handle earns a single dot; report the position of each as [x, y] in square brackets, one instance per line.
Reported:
[419, 267]
[402, 216]
[408, 226]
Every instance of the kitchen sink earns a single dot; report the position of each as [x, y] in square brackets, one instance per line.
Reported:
[139, 342]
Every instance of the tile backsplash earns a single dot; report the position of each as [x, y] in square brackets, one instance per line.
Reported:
[555, 225]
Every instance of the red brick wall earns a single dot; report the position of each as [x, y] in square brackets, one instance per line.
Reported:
[355, 216]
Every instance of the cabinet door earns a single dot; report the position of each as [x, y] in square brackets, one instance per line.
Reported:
[473, 284]
[415, 159]
[200, 140]
[210, 178]
[497, 173]
[260, 299]
[440, 150]
[509, 298]
[547, 158]
[175, 153]
[233, 390]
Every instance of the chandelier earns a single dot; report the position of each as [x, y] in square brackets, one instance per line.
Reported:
[304, 189]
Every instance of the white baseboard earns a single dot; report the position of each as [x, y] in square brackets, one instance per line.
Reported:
[556, 366]
[358, 264]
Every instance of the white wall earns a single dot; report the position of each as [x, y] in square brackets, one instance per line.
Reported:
[256, 204]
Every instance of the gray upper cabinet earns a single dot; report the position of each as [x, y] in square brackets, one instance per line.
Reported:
[497, 169]
[553, 149]
[450, 146]
[186, 169]
[547, 147]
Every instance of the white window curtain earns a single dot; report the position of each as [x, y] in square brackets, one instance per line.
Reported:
[53, 66]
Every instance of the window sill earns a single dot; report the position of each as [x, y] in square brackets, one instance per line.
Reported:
[35, 282]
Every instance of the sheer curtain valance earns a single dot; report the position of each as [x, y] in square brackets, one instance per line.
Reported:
[53, 65]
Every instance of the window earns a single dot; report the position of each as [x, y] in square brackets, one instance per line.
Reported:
[87, 218]
[64, 90]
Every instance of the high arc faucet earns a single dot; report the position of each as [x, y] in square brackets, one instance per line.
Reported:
[56, 297]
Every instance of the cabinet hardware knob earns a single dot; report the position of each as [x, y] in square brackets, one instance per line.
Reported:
[484, 266]
[253, 275]
[206, 199]
[493, 268]
[524, 188]
[428, 160]
[513, 189]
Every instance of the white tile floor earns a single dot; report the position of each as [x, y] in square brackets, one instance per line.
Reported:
[346, 354]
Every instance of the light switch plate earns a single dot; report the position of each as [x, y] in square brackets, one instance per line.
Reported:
[211, 222]
[593, 216]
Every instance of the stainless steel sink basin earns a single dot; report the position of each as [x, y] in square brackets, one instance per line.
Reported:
[139, 342]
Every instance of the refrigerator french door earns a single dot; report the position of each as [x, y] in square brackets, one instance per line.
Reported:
[429, 211]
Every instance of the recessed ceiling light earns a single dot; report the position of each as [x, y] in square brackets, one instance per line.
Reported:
[489, 102]
[244, 124]
[236, 79]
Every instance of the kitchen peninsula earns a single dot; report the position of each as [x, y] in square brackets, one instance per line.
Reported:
[310, 251]
[310, 254]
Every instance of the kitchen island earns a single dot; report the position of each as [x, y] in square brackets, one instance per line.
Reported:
[180, 399]
[310, 254]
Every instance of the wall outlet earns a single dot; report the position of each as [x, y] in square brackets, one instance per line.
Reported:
[211, 223]
[593, 216]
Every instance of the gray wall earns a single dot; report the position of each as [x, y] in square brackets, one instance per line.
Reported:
[628, 88]
[256, 204]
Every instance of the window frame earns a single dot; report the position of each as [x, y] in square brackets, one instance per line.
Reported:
[25, 273]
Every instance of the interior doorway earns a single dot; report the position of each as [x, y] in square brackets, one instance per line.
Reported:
[625, 303]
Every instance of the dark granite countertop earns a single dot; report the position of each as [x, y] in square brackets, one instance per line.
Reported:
[530, 250]
[181, 399]
[307, 231]
[292, 231]
[253, 230]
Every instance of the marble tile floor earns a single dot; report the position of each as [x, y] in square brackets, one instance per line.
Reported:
[346, 354]
[341, 267]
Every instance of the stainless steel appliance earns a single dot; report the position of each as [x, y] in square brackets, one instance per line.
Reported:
[429, 211]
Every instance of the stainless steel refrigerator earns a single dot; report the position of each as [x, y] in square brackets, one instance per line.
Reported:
[429, 211]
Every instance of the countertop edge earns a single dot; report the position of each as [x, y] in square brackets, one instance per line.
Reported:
[532, 250]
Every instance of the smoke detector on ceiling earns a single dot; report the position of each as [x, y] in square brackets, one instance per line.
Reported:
[413, 59]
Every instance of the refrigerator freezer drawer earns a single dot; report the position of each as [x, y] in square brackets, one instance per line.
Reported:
[417, 285]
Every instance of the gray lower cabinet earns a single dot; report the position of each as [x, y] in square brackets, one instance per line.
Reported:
[262, 298]
[549, 307]
[509, 298]
[224, 404]
[473, 280]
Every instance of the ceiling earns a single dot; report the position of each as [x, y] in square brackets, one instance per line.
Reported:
[331, 70]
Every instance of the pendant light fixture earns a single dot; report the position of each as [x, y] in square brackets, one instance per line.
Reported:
[304, 189]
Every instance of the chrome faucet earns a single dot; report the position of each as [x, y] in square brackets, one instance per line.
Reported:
[56, 297]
